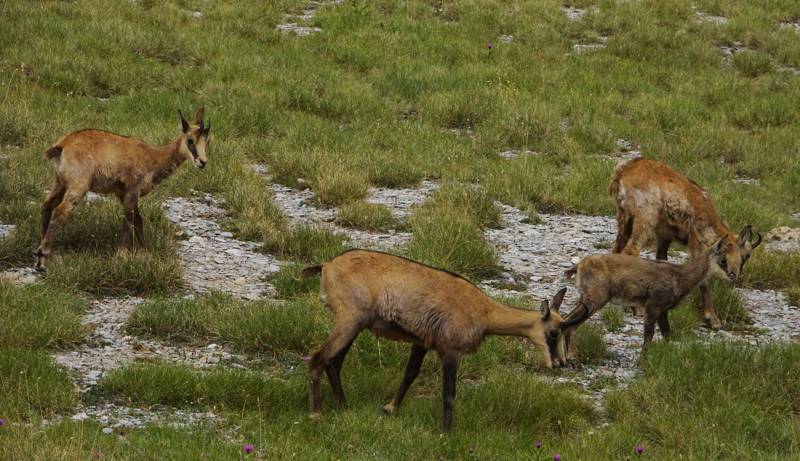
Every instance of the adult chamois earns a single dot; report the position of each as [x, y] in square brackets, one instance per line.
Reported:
[403, 300]
[656, 286]
[655, 201]
[107, 163]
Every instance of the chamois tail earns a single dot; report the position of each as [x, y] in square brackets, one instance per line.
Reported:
[311, 271]
[53, 152]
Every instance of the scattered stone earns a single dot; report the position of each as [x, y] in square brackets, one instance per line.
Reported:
[214, 260]
[91, 197]
[728, 51]
[626, 150]
[197, 14]
[512, 154]
[743, 179]
[784, 238]
[586, 47]
[294, 28]
[108, 430]
[505, 39]
[794, 216]
[572, 13]
[6, 230]
[791, 25]
[402, 201]
[790, 70]
[308, 14]
[702, 17]
[20, 276]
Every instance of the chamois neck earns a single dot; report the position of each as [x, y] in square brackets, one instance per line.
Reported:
[508, 321]
[170, 158]
[694, 272]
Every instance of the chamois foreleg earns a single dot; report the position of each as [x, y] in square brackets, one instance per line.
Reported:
[449, 372]
[662, 248]
[709, 313]
[130, 202]
[333, 370]
[71, 198]
[53, 200]
[650, 317]
[412, 370]
[663, 325]
[337, 343]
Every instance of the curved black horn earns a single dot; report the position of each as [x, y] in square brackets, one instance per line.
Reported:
[577, 319]
[758, 240]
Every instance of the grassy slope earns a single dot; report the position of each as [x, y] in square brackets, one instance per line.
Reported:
[388, 94]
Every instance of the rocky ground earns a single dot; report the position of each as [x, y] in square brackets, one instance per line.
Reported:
[533, 255]
[295, 22]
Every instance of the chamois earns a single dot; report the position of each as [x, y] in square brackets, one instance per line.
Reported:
[653, 200]
[107, 163]
[656, 286]
[403, 300]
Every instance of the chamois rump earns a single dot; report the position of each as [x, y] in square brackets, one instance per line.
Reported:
[656, 286]
[107, 163]
[403, 300]
[655, 201]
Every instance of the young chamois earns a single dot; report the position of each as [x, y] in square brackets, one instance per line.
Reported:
[656, 286]
[107, 163]
[655, 201]
[403, 300]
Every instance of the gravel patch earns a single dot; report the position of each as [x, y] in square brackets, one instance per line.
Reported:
[108, 346]
[6, 230]
[784, 238]
[742, 179]
[795, 26]
[293, 27]
[702, 17]
[728, 51]
[20, 276]
[572, 13]
[539, 253]
[212, 258]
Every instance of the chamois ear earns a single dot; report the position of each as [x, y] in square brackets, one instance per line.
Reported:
[205, 129]
[198, 117]
[545, 309]
[558, 299]
[718, 247]
[745, 234]
[184, 123]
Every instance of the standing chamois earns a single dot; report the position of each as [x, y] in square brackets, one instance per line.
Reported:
[656, 286]
[403, 300]
[107, 163]
[655, 201]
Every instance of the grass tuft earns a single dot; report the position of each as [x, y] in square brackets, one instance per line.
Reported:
[32, 385]
[310, 244]
[39, 317]
[367, 216]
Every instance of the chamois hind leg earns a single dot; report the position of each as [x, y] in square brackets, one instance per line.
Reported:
[412, 370]
[650, 317]
[709, 313]
[640, 234]
[138, 226]
[340, 339]
[624, 229]
[449, 372]
[72, 196]
[52, 201]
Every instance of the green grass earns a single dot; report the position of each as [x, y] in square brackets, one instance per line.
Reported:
[591, 345]
[255, 327]
[613, 318]
[387, 95]
[289, 282]
[367, 216]
[32, 385]
[38, 317]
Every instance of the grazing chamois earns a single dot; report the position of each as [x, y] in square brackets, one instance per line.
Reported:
[107, 163]
[655, 286]
[403, 300]
[655, 201]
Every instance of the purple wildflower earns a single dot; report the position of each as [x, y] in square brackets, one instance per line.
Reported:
[248, 448]
[639, 449]
[307, 358]
[537, 444]
[2, 422]
[557, 457]
[489, 45]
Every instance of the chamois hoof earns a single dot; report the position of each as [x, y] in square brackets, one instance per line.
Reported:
[41, 261]
[389, 408]
[713, 323]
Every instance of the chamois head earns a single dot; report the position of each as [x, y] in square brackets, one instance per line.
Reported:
[736, 251]
[554, 326]
[194, 139]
